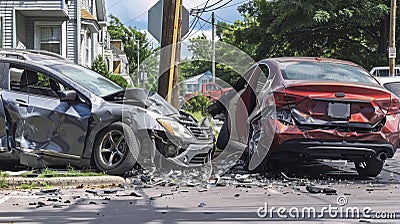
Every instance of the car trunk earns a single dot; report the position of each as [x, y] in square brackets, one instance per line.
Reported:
[342, 106]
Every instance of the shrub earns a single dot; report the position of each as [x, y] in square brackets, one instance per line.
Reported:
[198, 103]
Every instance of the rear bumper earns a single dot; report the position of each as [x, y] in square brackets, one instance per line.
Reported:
[333, 144]
[320, 149]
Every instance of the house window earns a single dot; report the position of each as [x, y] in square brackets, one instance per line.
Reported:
[89, 49]
[50, 38]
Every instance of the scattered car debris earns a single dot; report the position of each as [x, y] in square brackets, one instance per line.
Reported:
[202, 204]
[317, 190]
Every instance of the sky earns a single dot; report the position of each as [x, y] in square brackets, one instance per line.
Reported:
[134, 13]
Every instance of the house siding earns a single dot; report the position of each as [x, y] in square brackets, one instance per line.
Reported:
[8, 14]
[73, 26]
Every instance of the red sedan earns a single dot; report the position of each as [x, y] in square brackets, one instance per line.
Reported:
[310, 108]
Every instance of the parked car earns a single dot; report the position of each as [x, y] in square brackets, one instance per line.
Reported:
[310, 108]
[212, 91]
[383, 71]
[391, 83]
[54, 112]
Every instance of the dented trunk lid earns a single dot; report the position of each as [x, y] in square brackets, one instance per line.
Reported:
[337, 105]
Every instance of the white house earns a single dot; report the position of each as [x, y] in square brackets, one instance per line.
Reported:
[194, 84]
[75, 29]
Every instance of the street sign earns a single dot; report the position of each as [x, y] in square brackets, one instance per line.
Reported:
[392, 52]
[155, 18]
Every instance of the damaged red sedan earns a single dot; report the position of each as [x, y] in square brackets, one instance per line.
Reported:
[310, 108]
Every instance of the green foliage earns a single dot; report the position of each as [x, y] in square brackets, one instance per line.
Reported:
[200, 62]
[198, 104]
[354, 30]
[3, 181]
[71, 172]
[119, 80]
[100, 66]
[129, 37]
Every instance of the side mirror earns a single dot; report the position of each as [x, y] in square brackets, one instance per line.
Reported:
[68, 96]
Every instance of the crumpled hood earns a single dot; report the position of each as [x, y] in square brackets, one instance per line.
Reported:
[149, 100]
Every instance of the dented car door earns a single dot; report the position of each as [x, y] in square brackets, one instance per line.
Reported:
[46, 124]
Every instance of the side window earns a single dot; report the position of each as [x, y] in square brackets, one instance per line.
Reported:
[260, 77]
[28, 80]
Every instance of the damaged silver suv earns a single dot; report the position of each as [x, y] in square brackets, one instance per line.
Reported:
[54, 112]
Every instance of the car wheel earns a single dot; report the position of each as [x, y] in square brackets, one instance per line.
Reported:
[115, 149]
[254, 161]
[370, 168]
[223, 136]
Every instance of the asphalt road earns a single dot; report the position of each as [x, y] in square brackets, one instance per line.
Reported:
[236, 199]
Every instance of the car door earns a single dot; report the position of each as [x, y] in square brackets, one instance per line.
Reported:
[3, 124]
[245, 102]
[50, 125]
[15, 105]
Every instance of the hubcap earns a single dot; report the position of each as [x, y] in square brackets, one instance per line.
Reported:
[112, 148]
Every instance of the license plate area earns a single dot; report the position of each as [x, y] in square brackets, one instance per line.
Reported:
[339, 110]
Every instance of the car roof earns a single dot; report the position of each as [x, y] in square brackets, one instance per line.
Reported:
[311, 59]
[30, 55]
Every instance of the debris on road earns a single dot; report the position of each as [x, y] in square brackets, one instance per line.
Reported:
[317, 190]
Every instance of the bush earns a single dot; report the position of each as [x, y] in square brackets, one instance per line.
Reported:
[100, 66]
[119, 80]
[198, 103]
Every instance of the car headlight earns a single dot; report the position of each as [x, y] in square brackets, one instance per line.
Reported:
[175, 128]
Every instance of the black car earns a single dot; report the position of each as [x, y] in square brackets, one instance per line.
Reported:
[54, 112]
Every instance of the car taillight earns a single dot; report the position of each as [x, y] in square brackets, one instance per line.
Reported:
[390, 105]
[285, 101]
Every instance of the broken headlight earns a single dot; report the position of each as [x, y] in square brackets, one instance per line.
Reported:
[176, 129]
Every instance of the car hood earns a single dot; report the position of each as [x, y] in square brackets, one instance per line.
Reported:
[149, 100]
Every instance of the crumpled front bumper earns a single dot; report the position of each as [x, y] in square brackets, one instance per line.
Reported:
[194, 155]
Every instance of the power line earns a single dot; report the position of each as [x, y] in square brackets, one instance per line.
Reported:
[193, 25]
[219, 7]
[114, 4]
[223, 19]
[207, 7]
[137, 17]
[201, 27]
[238, 3]
[216, 24]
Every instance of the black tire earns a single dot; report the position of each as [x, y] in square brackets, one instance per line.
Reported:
[116, 149]
[370, 168]
[223, 137]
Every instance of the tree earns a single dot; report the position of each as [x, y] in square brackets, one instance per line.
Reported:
[200, 60]
[100, 66]
[129, 37]
[355, 30]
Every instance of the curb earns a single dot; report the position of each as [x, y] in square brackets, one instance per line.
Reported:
[66, 181]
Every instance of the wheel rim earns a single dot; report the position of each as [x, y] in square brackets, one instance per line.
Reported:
[362, 165]
[112, 148]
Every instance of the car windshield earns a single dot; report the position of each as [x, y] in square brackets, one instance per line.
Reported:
[325, 71]
[393, 87]
[88, 79]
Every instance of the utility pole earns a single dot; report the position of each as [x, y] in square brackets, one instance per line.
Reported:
[392, 46]
[170, 51]
[138, 61]
[213, 46]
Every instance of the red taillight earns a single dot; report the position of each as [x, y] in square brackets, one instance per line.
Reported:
[389, 105]
[283, 100]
